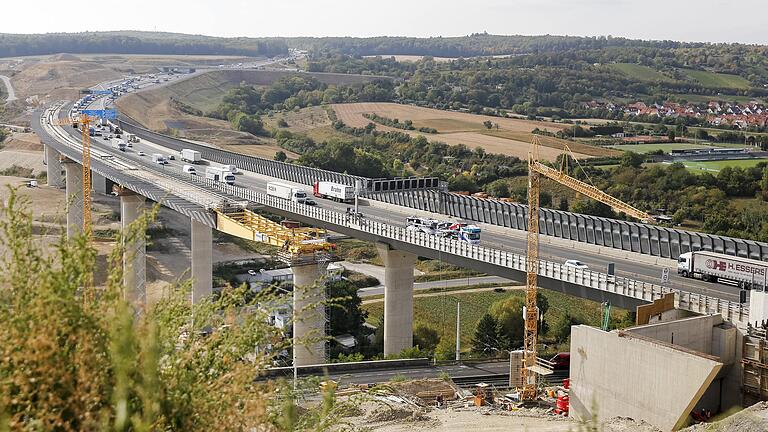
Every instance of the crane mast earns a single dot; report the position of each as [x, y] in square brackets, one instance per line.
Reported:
[86, 126]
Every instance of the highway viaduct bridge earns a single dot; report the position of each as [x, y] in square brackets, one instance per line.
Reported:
[195, 197]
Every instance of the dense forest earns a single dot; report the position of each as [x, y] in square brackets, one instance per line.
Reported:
[134, 42]
[479, 44]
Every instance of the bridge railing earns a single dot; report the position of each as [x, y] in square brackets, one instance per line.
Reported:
[636, 237]
[640, 290]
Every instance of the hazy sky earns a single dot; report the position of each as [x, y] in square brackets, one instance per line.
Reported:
[686, 20]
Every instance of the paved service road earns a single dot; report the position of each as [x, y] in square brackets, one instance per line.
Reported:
[448, 283]
[9, 88]
[455, 371]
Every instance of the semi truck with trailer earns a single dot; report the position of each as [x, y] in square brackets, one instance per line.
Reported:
[159, 159]
[713, 267]
[118, 144]
[191, 156]
[334, 191]
[131, 138]
[284, 191]
[220, 175]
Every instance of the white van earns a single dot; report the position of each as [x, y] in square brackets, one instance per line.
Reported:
[189, 169]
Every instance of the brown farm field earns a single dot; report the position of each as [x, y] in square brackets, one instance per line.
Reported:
[512, 137]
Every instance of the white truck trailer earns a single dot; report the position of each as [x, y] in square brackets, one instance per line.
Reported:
[219, 175]
[713, 267]
[334, 191]
[131, 138]
[191, 156]
[159, 159]
[118, 144]
[284, 191]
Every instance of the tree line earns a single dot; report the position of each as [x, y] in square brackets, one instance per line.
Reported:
[134, 42]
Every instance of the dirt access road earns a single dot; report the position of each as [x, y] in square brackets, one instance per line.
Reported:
[9, 88]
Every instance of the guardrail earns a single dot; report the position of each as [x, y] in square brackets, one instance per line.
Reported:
[350, 366]
[617, 234]
[622, 286]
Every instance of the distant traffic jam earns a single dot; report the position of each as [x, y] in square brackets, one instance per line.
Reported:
[462, 231]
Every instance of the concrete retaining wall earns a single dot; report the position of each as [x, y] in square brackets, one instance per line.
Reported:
[614, 375]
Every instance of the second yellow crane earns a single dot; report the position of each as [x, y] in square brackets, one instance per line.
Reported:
[537, 169]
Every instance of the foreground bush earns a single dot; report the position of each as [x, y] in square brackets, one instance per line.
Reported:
[75, 359]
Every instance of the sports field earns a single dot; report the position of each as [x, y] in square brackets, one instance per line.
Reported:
[647, 148]
[714, 166]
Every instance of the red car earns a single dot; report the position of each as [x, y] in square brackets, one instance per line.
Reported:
[561, 361]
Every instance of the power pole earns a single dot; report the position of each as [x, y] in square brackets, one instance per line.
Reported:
[458, 331]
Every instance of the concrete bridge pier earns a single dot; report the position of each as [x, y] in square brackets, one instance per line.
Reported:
[135, 252]
[101, 184]
[53, 165]
[74, 192]
[398, 298]
[309, 317]
[202, 261]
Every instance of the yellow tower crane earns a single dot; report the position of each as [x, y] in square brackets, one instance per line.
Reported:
[537, 169]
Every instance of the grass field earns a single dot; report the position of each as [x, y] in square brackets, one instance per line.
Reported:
[512, 137]
[646, 148]
[717, 80]
[639, 72]
[714, 166]
[440, 311]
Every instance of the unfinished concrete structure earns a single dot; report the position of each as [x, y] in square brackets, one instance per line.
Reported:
[658, 373]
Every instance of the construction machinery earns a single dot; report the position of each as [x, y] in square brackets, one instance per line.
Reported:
[298, 245]
[536, 170]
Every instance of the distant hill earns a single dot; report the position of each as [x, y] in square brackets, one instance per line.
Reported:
[136, 42]
[480, 44]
